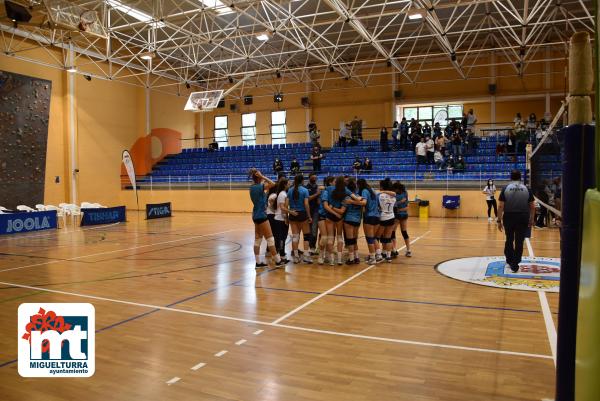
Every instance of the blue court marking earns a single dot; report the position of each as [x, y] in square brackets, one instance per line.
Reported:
[141, 315]
[408, 301]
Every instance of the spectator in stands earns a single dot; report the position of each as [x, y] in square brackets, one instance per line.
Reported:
[316, 157]
[471, 142]
[357, 165]
[463, 122]
[460, 166]
[345, 135]
[450, 163]
[367, 165]
[294, 166]
[412, 126]
[395, 132]
[456, 143]
[531, 126]
[437, 131]
[354, 126]
[312, 126]
[383, 139]
[449, 130]
[517, 120]
[511, 143]
[421, 151]
[471, 120]
[440, 144]
[415, 138]
[404, 134]
[539, 134]
[427, 129]
[315, 135]
[438, 158]
[430, 146]
[277, 166]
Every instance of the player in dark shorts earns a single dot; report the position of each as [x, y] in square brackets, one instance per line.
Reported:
[352, 220]
[327, 182]
[262, 228]
[371, 216]
[300, 217]
[335, 208]
[401, 214]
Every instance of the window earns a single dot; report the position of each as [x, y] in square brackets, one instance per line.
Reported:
[249, 129]
[278, 128]
[431, 114]
[221, 134]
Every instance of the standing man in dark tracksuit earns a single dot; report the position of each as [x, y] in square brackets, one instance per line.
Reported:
[516, 212]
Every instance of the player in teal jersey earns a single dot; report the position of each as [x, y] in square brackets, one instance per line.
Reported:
[352, 220]
[401, 215]
[300, 217]
[262, 228]
[327, 181]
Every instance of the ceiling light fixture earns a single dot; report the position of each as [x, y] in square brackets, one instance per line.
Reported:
[218, 6]
[134, 13]
[415, 14]
[147, 56]
[72, 69]
[263, 36]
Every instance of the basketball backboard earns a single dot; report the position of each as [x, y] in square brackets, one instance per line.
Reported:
[203, 101]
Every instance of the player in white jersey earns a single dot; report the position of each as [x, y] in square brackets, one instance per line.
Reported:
[387, 218]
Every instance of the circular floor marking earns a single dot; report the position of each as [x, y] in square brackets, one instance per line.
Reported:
[535, 274]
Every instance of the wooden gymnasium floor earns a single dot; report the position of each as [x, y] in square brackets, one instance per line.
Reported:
[173, 294]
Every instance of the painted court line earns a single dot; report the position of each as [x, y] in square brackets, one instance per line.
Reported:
[198, 366]
[242, 341]
[115, 251]
[332, 289]
[173, 380]
[221, 353]
[550, 328]
[257, 332]
[409, 342]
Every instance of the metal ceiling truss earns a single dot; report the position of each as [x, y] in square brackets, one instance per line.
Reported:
[182, 45]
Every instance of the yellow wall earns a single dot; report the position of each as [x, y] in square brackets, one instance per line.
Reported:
[234, 201]
[109, 117]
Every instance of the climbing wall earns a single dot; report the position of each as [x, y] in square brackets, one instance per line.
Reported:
[24, 114]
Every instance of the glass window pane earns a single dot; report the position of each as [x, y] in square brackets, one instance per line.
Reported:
[220, 122]
[221, 136]
[278, 117]
[455, 111]
[410, 112]
[425, 113]
[249, 120]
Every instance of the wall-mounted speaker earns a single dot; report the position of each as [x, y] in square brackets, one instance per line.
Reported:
[398, 94]
[248, 100]
[492, 89]
[221, 104]
[233, 107]
[16, 12]
[305, 101]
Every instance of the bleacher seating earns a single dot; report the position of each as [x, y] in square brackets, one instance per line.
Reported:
[232, 163]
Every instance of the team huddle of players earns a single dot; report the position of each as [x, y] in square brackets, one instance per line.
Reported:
[342, 204]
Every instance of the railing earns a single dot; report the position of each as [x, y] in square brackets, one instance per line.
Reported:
[432, 178]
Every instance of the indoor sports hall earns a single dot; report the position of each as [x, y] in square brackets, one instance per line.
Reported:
[299, 200]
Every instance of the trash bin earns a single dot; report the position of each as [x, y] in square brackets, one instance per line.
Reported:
[423, 209]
